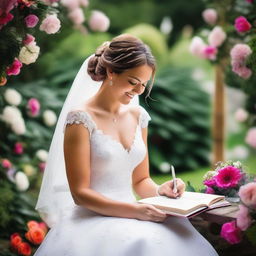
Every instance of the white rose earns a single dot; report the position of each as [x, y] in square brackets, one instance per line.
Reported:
[42, 155]
[18, 126]
[12, 97]
[197, 46]
[29, 53]
[21, 181]
[164, 167]
[49, 117]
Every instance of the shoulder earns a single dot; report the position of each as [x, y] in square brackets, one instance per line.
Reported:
[140, 114]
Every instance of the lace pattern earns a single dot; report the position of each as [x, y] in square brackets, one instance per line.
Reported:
[144, 117]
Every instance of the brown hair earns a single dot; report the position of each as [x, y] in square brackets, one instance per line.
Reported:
[122, 53]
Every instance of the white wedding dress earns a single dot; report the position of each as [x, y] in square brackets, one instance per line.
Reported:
[82, 232]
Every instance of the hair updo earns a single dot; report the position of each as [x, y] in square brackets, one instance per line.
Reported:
[122, 53]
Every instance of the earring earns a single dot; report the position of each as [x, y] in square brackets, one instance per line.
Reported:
[110, 82]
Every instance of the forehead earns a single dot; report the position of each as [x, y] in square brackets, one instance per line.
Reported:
[143, 73]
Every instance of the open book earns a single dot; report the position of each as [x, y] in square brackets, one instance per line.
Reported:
[188, 205]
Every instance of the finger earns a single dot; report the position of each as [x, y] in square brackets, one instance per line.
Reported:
[157, 212]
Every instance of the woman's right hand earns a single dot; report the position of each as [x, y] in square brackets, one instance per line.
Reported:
[149, 212]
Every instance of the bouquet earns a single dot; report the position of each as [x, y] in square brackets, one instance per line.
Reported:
[226, 179]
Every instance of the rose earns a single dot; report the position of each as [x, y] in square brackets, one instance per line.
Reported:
[29, 39]
[21, 181]
[29, 53]
[14, 69]
[31, 20]
[250, 138]
[29, 170]
[210, 16]
[6, 164]
[24, 249]
[77, 16]
[51, 24]
[18, 148]
[209, 190]
[49, 117]
[99, 21]
[210, 52]
[35, 235]
[33, 106]
[42, 166]
[12, 97]
[217, 36]
[247, 194]
[197, 47]
[244, 219]
[242, 24]
[241, 115]
[42, 154]
[5, 18]
[231, 233]
[15, 240]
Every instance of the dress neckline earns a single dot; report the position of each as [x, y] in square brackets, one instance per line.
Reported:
[101, 132]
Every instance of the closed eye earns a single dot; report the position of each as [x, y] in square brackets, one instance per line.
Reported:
[132, 83]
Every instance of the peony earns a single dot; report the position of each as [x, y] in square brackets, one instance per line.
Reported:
[29, 53]
[49, 117]
[33, 106]
[197, 47]
[242, 24]
[14, 69]
[210, 52]
[12, 97]
[29, 39]
[42, 155]
[99, 21]
[51, 24]
[231, 233]
[217, 36]
[21, 181]
[250, 138]
[77, 16]
[240, 52]
[241, 115]
[35, 235]
[210, 16]
[228, 177]
[18, 148]
[31, 20]
[247, 194]
[6, 164]
[244, 219]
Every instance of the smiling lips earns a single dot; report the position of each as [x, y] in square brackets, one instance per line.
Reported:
[129, 95]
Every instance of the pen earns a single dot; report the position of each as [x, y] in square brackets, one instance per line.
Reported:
[174, 180]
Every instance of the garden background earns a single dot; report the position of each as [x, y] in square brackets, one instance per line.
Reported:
[182, 129]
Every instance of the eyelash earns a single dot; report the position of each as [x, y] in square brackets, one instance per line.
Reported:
[136, 84]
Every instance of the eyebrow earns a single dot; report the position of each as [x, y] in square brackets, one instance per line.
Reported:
[137, 78]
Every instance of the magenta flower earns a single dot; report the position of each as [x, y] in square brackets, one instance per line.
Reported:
[242, 24]
[209, 190]
[228, 177]
[6, 164]
[249, 1]
[33, 107]
[5, 18]
[14, 69]
[231, 233]
[247, 194]
[210, 182]
[7, 5]
[18, 148]
[29, 39]
[243, 218]
[31, 20]
[210, 52]
[42, 166]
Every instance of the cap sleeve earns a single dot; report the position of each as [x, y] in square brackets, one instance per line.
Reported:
[79, 117]
[144, 118]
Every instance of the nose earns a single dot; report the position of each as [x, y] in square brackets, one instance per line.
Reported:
[139, 89]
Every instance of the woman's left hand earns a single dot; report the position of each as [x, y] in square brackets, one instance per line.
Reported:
[166, 189]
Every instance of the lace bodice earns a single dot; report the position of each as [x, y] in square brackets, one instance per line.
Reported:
[111, 164]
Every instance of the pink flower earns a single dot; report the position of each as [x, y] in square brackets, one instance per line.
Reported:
[217, 36]
[31, 20]
[251, 137]
[209, 190]
[51, 24]
[247, 194]
[244, 219]
[50, 2]
[228, 177]
[241, 115]
[249, 1]
[84, 3]
[34, 107]
[210, 16]
[6, 164]
[197, 47]
[18, 148]
[242, 24]
[29, 39]
[7, 5]
[231, 233]
[77, 16]
[240, 52]
[5, 18]
[71, 4]
[14, 69]
[241, 70]
[42, 166]
[210, 182]
[210, 52]
[99, 21]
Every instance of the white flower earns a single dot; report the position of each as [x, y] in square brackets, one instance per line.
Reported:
[21, 181]
[77, 16]
[238, 164]
[51, 24]
[241, 115]
[217, 36]
[197, 47]
[99, 21]
[29, 170]
[29, 53]
[42, 155]
[165, 167]
[12, 97]
[49, 117]
[12, 116]
[209, 175]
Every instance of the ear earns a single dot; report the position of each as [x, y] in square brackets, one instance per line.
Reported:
[109, 72]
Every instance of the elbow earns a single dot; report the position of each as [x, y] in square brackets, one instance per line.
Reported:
[80, 197]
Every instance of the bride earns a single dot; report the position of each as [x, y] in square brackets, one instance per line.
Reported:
[98, 159]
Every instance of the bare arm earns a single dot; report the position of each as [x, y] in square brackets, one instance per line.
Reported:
[77, 160]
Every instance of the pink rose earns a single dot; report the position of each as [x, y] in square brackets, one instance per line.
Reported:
[29, 39]
[228, 177]
[250, 138]
[7, 5]
[18, 148]
[6, 163]
[51, 24]
[99, 21]
[197, 47]
[210, 16]
[242, 24]
[241, 115]
[240, 52]
[231, 233]
[77, 16]
[33, 106]
[241, 70]
[217, 36]
[31, 20]
[210, 52]
[5, 18]
[71, 4]
[244, 219]
[42, 166]
[247, 194]
[14, 69]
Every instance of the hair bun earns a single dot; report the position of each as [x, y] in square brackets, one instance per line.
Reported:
[102, 48]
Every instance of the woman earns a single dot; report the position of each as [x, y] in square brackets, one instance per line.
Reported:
[87, 192]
